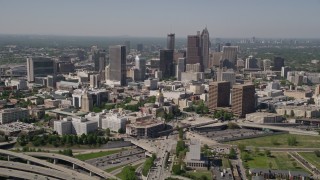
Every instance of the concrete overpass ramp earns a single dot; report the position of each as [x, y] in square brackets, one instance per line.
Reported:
[92, 169]
[4, 172]
[36, 170]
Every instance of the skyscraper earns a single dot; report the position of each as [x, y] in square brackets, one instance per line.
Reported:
[251, 63]
[205, 45]
[140, 64]
[86, 102]
[116, 70]
[40, 67]
[166, 63]
[219, 94]
[180, 67]
[95, 80]
[99, 58]
[127, 44]
[140, 47]
[278, 63]
[243, 99]
[193, 49]
[230, 54]
[171, 41]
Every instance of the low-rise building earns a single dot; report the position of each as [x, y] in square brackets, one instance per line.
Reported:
[145, 128]
[13, 114]
[75, 125]
[263, 117]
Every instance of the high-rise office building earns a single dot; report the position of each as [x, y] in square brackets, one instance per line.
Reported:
[95, 80]
[127, 44]
[278, 63]
[243, 99]
[230, 54]
[86, 102]
[171, 41]
[116, 70]
[140, 47]
[180, 67]
[284, 71]
[251, 63]
[194, 49]
[166, 63]
[40, 67]
[219, 94]
[140, 64]
[266, 64]
[205, 46]
[99, 58]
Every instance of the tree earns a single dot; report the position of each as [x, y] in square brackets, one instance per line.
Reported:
[180, 133]
[317, 153]
[246, 156]
[274, 141]
[232, 125]
[242, 147]
[128, 173]
[270, 165]
[256, 150]
[121, 131]
[108, 132]
[232, 153]
[267, 152]
[176, 169]
[292, 141]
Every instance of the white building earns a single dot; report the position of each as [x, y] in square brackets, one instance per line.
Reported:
[114, 122]
[13, 114]
[75, 125]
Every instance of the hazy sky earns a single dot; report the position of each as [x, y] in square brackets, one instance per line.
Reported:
[155, 18]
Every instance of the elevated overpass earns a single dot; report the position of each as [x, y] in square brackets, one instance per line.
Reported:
[23, 175]
[75, 162]
[187, 126]
[36, 170]
[44, 163]
[279, 128]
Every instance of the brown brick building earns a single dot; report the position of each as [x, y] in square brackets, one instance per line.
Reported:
[219, 94]
[243, 99]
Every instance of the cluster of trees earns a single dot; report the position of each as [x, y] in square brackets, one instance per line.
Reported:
[56, 140]
[125, 105]
[232, 154]
[317, 153]
[128, 173]
[206, 151]
[232, 125]
[221, 114]
[148, 164]
[67, 152]
[292, 141]
[199, 108]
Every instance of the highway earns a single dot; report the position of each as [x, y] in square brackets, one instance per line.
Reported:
[36, 170]
[278, 128]
[4, 172]
[44, 163]
[117, 159]
[77, 162]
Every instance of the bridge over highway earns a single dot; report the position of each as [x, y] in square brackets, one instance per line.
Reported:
[43, 163]
[75, 162]
[36, 170]
[23, 175]
[279, 128]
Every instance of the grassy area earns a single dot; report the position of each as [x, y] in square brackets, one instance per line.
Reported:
[280, 141]
[121, 176]
[84, 157]
[279, 161]
[197, 174]
[226, 163]
[312, 158]
[115, 167]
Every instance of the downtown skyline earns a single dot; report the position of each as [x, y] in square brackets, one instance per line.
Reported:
[231, 19]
